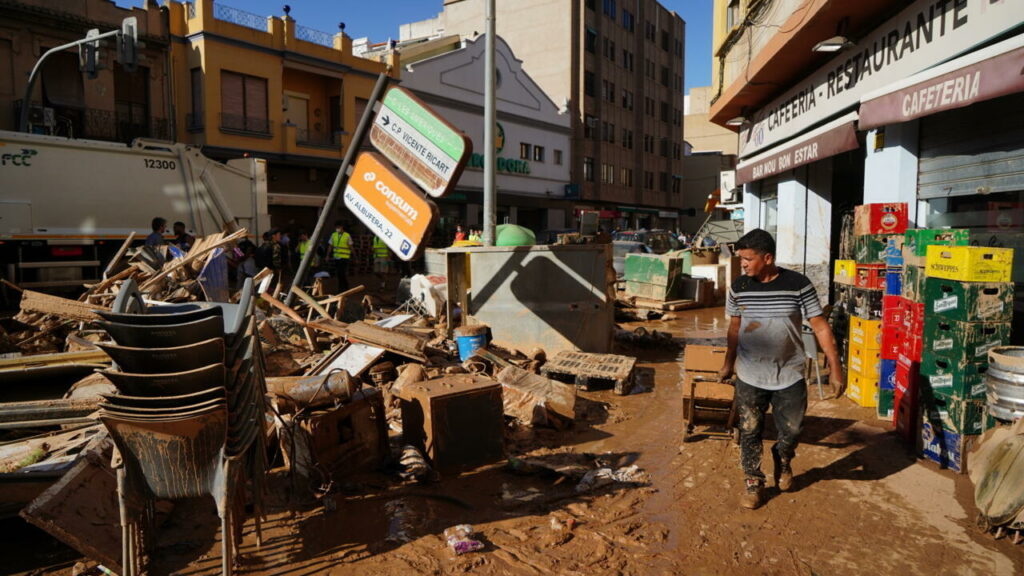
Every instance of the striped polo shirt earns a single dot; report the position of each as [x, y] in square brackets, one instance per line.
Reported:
[770, 352]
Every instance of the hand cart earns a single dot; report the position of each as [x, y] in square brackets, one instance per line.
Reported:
[708, 403]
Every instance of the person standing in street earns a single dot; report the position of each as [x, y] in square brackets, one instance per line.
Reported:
[765, 352]
[182, 239]
[341, 253]
[381, 260]
[156, 238]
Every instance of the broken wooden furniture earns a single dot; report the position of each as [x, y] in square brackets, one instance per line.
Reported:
[592, 371]
[192, 432]
[457, 421]
[708, 403]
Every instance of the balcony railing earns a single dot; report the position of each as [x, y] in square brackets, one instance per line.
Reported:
[245, 125]
[314, 36]
[107, 125]
[315, 138]
[240, 17]
[191, 10]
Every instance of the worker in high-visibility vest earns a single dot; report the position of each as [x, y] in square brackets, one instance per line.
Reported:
[381, 260]
[341, 253]
[303, 247]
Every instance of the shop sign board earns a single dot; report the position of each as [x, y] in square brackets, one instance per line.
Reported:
[925, 33]
[834, 138]
[390, 205]
[425, 146]
[961, 86]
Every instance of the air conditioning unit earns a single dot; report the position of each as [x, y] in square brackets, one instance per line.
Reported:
[732, 196]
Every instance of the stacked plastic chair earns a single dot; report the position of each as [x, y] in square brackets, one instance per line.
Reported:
[188, 419]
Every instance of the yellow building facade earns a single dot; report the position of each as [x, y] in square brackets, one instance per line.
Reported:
[265, 86]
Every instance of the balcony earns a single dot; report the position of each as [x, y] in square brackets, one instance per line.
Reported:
[108, 125]
[316, 139]
[245, 125]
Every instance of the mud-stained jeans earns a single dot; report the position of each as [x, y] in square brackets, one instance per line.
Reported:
[788, 407]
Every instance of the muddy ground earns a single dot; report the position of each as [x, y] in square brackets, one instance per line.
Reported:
[860, 505]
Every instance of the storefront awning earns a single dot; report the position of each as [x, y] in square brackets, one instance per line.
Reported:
[995, 71]
[836, 137]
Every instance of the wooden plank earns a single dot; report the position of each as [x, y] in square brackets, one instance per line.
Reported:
[311, 301]
[395, 341]
[331, 326]
[341, 297]
[119, 254]
[80, 357]
[193, 255]
[281, 306]
[32, 301]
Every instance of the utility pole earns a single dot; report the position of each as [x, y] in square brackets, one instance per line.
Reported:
[490, 155]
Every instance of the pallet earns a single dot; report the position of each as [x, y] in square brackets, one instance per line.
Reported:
[669, 305]
[592, 371]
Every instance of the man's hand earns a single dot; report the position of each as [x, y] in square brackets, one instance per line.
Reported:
[837, 380]
[725, 373]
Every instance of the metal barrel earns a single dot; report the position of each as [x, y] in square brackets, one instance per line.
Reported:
[1004, 382]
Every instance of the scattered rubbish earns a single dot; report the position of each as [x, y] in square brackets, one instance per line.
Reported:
[459, 541]
[414, 465]
[536, 400]
[605, 476]
[399, 522]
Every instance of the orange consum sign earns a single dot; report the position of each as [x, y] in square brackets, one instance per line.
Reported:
[389, 205]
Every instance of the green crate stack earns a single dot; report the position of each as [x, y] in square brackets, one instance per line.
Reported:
[964, 319]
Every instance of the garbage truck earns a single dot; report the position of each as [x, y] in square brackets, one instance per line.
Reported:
[67, 205]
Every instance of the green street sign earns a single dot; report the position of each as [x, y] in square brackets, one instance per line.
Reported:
[423, 145]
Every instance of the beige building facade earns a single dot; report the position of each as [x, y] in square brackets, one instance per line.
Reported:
[616, 67]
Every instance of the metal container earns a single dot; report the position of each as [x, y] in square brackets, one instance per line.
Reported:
[551, 297]
[1004, 382]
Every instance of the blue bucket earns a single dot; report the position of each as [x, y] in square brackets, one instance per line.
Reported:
[471, 343]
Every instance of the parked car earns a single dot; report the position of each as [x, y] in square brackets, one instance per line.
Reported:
[659, 241]
[619, 250]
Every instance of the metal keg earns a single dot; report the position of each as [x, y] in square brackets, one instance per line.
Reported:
[1004, 382]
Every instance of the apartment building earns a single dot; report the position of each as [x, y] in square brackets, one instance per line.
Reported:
[268, 87]
[616, 68]
[113, 103]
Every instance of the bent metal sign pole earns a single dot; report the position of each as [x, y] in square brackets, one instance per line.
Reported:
[426, 147]
[389, 205]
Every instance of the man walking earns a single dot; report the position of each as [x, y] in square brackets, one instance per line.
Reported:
[765, 351]
[341, 253]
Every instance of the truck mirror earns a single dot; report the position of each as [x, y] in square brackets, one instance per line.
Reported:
[128, 44]
[88, 52]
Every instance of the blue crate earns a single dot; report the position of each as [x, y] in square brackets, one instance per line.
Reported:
[888, 377]
[893, 282]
